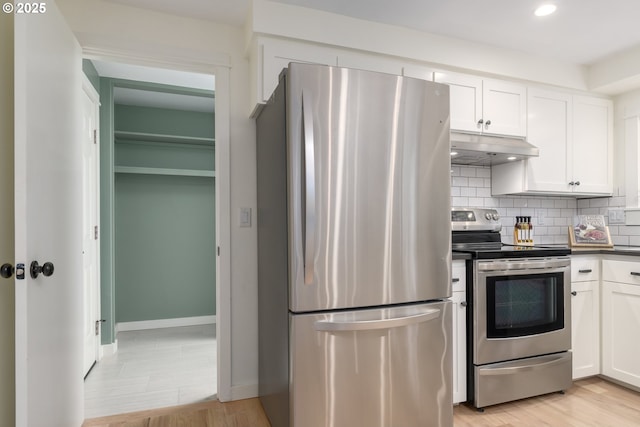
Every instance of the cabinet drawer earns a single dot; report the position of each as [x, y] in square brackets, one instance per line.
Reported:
[585, 269]
[458, 276]
[621, 271]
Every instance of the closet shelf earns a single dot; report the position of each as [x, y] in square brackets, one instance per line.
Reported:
[155, 137]
[163, 171]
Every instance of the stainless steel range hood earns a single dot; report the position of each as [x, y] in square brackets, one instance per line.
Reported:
[487, 150]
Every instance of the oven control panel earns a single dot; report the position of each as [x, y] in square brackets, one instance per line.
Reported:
[475, 219]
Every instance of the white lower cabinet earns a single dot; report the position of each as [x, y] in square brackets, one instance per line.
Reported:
[459, 300]
[585, 315]
[621, 320]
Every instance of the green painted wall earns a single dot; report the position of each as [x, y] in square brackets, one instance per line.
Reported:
[165, 262]
[165, 247]
[164, 121]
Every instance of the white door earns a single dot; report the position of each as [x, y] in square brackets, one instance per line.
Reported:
[48, 215]
[90, 216]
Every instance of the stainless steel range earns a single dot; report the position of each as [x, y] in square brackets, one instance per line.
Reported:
[519, 312]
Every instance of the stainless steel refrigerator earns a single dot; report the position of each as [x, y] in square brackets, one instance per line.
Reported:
[354, 250]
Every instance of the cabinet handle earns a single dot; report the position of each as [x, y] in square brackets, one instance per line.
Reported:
[577, 182]
[585, 271]
[574, 293]
[635, 273]
[455, 280]
[486, 125]
[572, 183]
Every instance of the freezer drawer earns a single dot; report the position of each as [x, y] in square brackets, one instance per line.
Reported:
[372, 368]
[506, 381]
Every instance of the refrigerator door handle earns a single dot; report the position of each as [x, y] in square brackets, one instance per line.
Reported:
[310, 191]
[368, 325]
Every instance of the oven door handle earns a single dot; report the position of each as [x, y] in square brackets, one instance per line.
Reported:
[528, 264]
[555, 360]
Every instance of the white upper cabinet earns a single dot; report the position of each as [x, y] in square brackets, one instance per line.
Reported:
[269, 57]
[362, 61]
[417, 72]
[486, 105]
[575, 139]
[592, 145]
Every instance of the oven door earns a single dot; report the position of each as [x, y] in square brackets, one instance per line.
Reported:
[521, 308]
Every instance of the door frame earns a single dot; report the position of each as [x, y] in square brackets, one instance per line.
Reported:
[92, 94]
[218, 66]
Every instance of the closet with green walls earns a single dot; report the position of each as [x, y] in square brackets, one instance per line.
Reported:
[163, 213]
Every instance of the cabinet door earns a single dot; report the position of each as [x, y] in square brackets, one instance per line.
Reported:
[620, 321]
[459, 346]
[549, 129]
[276, 56]
[585, 328]
[418, 72]
[504, 108]
[370, 63]
[592, 145]
[466, 100]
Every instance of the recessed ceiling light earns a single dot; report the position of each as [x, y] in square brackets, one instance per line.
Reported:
[545, 9]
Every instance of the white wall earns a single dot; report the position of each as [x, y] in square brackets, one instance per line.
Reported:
[114, 27]
[7, 294]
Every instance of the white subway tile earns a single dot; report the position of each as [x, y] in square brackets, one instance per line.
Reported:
[599, 203]
[483, 172]
[560, 203]
[468, 191]
[506, 202]
[476, 182]
[460, 181]
[469, 172]
[460, 202]
[477, 202]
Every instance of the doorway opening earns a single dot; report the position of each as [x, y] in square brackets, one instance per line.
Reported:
[158, 242]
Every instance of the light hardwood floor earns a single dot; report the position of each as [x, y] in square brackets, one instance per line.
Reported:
[592, 402]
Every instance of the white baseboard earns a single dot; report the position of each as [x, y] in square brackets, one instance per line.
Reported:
[165, 323]
[108, 349]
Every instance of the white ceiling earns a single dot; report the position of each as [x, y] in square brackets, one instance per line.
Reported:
[580, 32]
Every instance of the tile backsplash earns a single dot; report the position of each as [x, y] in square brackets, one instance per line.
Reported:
[471, 187]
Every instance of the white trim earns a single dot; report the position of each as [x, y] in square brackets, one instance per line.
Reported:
[165, 323]
[245, 391]
[109, 349]
[223, 231]
[221, 71]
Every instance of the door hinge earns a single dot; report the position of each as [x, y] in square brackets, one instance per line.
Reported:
[218, 250]
[95, 232]
[98, 322]
[95, 136]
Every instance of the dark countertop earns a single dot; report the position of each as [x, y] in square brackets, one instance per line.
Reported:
[460, 255]
[616, 250]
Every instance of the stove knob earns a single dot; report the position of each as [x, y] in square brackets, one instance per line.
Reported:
[495, 216]
[488, 216]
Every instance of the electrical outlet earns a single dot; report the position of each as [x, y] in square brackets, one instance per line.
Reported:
[616, 216]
